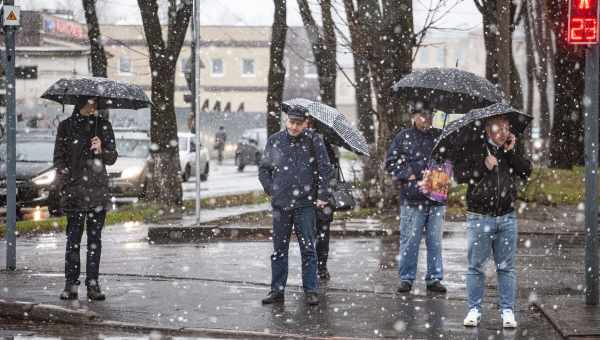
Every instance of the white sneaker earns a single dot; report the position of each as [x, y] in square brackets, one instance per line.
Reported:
[472, 318]
[508, 319]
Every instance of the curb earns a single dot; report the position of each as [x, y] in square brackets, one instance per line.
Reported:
[44, 312]
[51, 313]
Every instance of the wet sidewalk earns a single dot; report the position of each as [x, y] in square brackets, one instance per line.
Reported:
[218, 285]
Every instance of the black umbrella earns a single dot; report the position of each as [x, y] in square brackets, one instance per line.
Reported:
[467, 133]
[111, 94]
[448, 89]
[334, 126]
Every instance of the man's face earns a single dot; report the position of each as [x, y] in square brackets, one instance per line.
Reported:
[89, 108]
[295, 126]
[498, 130]
[422, 120]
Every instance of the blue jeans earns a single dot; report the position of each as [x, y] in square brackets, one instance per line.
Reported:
[304, 222]
[414, 220]
[498, 236]
[93, 221]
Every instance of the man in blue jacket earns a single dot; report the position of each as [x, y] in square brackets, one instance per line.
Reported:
[295, 173]
[406, 159]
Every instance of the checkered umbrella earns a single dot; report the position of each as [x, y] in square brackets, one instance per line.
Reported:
[334, 126]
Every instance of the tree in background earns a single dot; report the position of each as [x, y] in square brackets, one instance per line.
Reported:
[498, 26]
[276, 67]
[566, 143]
[165, 186]
[99, 63]
[324, 46]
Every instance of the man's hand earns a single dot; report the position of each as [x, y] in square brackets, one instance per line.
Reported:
[425, 184]
[491, 162]
[412, 178]
[96, 145]
[321, 204]
[510, 142]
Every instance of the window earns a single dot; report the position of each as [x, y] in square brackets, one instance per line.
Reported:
[310, 70]
[217, 69]
[248, 68]
[441, 57]
[124, 65]
[423, 56]
[185, 65]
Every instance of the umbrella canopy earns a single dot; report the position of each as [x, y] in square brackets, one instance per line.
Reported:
[448, 89]
[334, 126]
[466, 134]
[111, 94]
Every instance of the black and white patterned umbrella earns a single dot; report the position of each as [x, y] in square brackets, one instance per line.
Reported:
[333, 124]
[467, 133]
[111, 94]
[448, 89]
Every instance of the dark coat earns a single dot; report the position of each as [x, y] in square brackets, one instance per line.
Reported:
[409, 155]
[295, 171]
[493, 192]
[81, 175]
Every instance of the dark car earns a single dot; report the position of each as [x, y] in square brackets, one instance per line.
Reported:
[250, 148]
[35, 173]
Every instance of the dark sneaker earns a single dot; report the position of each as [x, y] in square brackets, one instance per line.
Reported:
[404, 287]
[70, 292]
[94, 293]
[273, 297]
[312, 299]
[437, 287]
[324, 275]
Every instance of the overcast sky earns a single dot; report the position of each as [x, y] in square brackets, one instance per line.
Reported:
[255, 12]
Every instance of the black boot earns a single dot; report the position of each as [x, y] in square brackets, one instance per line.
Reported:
[94, 293]
[312, 299]
[273, 297]
[437, 287]
[70, 291]
[404, 287]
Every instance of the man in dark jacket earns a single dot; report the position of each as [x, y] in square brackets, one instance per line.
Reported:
[85, 143]
[295, 172]
[406, 160]
[493, 176]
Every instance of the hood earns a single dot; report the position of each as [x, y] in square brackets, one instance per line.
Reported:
[123, 163]
[26, 170]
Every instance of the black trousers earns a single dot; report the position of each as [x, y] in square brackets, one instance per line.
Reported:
[93, 221]
[323, 225]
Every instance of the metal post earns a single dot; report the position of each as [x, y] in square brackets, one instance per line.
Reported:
[11, 129]
[194, 88]
[591, 174]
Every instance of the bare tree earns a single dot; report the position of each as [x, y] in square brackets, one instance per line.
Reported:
[99, 62]
[566, 144]
[498, 26]
[165, 185]
[276, 68]
[324, 46]
[362, 78]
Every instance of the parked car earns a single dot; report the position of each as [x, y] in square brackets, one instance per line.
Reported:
[250, 148]
[35, 174]
[187, 157]
[128, 176]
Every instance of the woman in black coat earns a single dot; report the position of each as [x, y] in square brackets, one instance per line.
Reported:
[85, 144]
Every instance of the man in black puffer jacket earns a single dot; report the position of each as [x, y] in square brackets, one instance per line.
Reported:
[84, 145]
[493, 175]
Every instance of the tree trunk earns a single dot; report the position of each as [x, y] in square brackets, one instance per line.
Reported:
[276, 68]
[362, 78]
[165, 185]
[390, 59]
[566, 144]
[98, 56]
[323, 46]
[530, 55]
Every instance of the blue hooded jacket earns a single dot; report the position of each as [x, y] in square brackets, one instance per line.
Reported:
[409, 155]
[295, 171]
